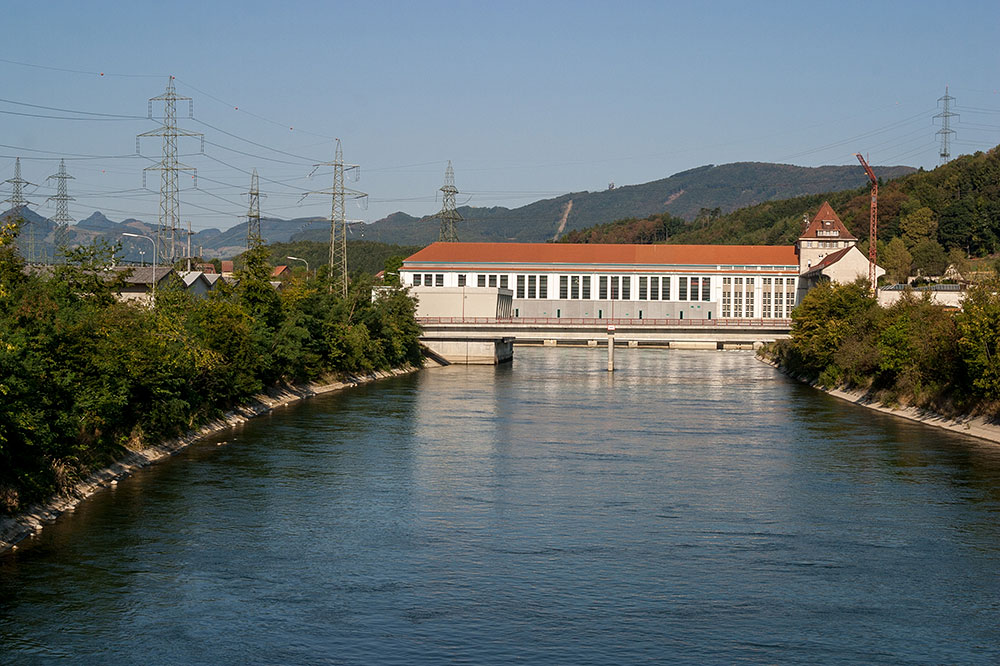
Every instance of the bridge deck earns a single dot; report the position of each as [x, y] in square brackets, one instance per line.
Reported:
[524, 330]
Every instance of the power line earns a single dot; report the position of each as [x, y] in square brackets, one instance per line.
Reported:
[78, 71]
[61, 110]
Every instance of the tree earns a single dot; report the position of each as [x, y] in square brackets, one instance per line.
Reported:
[979, 344]
[897, 260]
[929, 258]
[919, 226]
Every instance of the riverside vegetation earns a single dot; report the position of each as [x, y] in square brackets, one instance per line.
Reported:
[912, 353]
[83, 376]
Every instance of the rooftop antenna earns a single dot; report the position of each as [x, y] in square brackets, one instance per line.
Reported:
[945, 132]
[448, 215]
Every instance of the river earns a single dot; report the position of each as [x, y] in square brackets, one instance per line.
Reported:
[692, 508]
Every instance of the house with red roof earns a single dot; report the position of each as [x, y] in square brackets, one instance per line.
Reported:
[828, 251]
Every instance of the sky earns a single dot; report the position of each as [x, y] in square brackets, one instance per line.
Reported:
[529, 100]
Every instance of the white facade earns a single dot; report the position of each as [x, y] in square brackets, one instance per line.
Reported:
[669, 292]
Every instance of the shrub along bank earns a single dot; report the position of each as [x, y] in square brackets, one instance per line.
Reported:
[912, 353]
[84, 376]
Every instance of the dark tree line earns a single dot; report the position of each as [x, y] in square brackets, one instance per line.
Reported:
[84, 376]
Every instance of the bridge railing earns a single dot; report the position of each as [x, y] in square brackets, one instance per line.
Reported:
[593, 321]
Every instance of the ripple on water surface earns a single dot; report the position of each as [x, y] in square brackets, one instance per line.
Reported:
[691, 508]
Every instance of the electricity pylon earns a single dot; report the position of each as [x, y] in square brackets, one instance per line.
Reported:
[448, 215]
[253, 214]
[946, 131]
[17, 202]
[169, 223]
[62, 199]
[338, 219]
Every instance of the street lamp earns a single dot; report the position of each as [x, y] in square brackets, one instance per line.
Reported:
[303, 261]
[153, 272]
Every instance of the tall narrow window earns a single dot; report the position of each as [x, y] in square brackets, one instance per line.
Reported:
[682, 289]
[503, 281]
[643, 289]
[543, 286]
[482, 280]
[461, 279]
[654, 288]
[665, 290]
[428, 280]
[439, 280]
[615, 282]
[694, 288]
[520, 286]
[603, 290]
[574, 286]
[493, 280]
[416, 279]
[532, 286]
[627, 287]
[706, 289]
[585, 287]
[564, 286]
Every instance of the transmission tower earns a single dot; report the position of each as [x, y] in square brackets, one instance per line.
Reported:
[253, 214]
[168, 230]
[17, 202]
[338, 219]
[946, 131]
[62, 199]
[449, 215]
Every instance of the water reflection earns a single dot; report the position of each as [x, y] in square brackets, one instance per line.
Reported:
[693, 507]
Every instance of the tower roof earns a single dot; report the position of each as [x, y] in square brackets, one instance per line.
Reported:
[827, 225]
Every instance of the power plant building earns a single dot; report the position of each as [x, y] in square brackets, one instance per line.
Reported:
[604, 281]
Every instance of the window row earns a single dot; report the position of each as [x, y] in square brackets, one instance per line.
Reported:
[428, 279]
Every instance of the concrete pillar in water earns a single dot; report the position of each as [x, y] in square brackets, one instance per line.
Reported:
[611, 348]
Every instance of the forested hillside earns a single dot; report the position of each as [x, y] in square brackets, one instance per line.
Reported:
[725, 187]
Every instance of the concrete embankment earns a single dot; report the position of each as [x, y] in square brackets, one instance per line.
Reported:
[972, 426]
[16, 528]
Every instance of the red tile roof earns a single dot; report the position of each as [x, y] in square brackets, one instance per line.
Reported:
[594, 253]
[827, 220]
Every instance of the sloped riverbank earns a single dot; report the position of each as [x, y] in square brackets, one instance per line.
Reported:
[974, 426]
[14, 529]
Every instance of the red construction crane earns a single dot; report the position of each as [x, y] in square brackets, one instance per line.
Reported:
[873, 230]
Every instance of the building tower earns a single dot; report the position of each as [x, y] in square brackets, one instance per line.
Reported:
[168, 230]
[253, 214]
[62, 199]
[17, 202]
[946, 132]
[448, 215]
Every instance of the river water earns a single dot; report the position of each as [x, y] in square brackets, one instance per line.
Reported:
[695, 507]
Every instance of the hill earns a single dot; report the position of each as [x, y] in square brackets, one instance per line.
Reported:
[955, 207]
[717, 189]
[685, 195]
